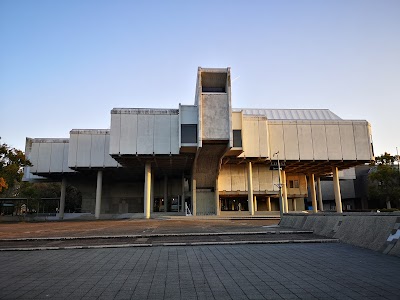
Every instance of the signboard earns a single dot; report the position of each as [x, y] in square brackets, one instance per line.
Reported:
[274, 165]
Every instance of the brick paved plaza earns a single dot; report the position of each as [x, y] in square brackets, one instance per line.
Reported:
[291, 271]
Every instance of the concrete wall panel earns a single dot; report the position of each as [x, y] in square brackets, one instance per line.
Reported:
[276, 143]
[274, 179]
[44, 158]
[256, 179]
[84, 147]
[34, 156]
[347, 140]
[65, 156]
[319, 141]
[224, 178]
[129, 134]
[305, 141]
[49, 156]
[362, 141]
[291, 141]
[264, 138]
[251, 140]
[162, 134]
[175, 134]
[145, 134]
[236, 120]
[215, 116]
[264, 178]
[303, 184]
[72, 150]
[57, 157]
[97, 150]
[115, 133]
[238, 175]
[333, 141]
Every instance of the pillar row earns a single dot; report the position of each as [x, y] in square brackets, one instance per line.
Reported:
[147, 189]
[99, 187]
[165, 193]
[312, 192]
[183, 194]
[336, 189]
[217, 206]
[319, 195]
[62, 197]
[269, 203]
[194, 194]
[250, 188]
[284, 191]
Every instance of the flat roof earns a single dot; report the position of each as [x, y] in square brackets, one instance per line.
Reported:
[290, 114]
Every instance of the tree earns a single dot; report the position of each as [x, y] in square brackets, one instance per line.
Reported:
[384, 181]
[36, 192]
[12, 162]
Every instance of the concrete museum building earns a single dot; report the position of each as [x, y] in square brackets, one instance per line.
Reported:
[208, 156]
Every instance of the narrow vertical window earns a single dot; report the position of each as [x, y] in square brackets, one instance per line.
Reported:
[237, 138]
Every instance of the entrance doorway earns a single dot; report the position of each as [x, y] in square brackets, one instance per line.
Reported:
[234, 204]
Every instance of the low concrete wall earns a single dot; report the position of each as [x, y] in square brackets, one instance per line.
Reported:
[375, 231]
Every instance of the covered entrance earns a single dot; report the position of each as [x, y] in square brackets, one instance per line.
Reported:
[238, 203]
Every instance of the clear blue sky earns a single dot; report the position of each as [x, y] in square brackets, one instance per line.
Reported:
[66, 64]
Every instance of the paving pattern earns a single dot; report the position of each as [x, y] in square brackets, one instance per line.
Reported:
[187, 239]
[79, 228]
[290, 271]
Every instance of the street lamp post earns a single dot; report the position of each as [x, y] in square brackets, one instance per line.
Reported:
[279, 186]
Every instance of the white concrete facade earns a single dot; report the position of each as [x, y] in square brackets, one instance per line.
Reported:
[208, 156]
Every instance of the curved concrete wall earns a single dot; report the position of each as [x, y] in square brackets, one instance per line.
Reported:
[375, 231]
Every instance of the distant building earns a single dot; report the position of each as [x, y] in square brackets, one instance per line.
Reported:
[208, 155]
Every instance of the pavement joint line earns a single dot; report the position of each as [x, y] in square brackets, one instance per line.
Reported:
[171, 244]
[157, 235]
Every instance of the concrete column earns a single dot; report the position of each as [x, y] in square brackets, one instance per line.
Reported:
[147, 190]
[284, 190]
[99, 188]
[152, 193]
[62, 198]
[269, 203]
[194, 191]
[217, 205]
[294, 204]
[312, 192]
[319, 196]
[250, 188]
[255, 203]
[165, 193]
[336, 189]
[183, 194]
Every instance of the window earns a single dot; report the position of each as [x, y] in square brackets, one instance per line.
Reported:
[189, 133]
[237, 138]
[293, 184]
